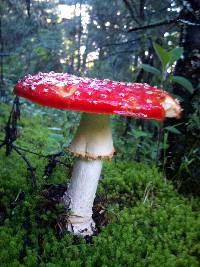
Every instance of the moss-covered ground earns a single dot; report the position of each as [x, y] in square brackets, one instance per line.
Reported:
[145, 221]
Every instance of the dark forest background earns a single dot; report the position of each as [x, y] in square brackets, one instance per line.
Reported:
[112, 39]
[149, 41]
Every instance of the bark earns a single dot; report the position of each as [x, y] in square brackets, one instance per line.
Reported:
[142, 14]
[139, 78]
[84, 61]
[189, 67]
[2, 92]
[79, 34]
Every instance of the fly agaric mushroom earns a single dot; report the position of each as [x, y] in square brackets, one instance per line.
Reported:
[93, 140]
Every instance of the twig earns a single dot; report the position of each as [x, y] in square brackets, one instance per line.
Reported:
[11, 136]
[29, 167]
[52, 162]
[11, 127]
[131, 11]
[158, 24]
[39, 155]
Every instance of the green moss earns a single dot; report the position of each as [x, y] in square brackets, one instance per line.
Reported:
[150, 224]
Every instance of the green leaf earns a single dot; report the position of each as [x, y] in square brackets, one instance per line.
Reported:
[172, 129]
[184, 82]
[42, 52]
[139, 133]
[175, 54]
[163, 55]
[151, 69]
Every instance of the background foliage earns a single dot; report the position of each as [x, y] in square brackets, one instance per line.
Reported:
[156, 42]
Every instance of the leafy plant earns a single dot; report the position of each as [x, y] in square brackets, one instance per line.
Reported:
[167, 60]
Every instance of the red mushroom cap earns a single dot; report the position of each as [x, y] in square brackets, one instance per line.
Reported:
[65, 91]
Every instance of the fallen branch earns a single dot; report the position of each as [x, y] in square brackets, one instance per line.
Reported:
[11, 136]
[11, 127]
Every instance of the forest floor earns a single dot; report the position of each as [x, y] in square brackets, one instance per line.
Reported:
[142, 220]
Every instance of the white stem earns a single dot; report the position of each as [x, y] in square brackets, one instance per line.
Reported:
[92, 142]
[80, 196]
[93, 139]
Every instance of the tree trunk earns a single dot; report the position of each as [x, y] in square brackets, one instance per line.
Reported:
[79, 33]
[188, 66]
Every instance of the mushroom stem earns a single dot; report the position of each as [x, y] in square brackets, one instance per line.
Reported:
[92, 143]
[93, 139]
[80, 196]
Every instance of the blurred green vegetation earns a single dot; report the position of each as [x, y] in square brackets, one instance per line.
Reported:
[150, 190]
[102, 40]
